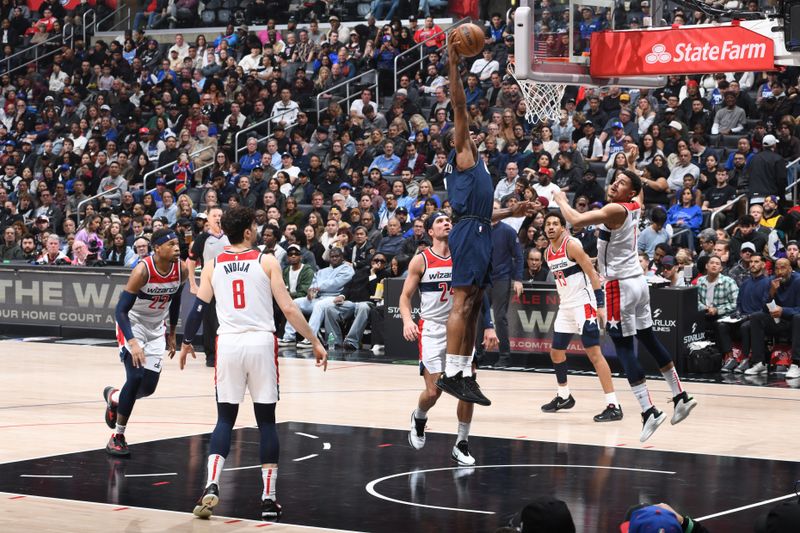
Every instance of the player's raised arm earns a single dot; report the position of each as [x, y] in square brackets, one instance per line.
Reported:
[127, 299]
[293, 315]
[610, 214]
[205, 293]
[410, 286]
[466, 153]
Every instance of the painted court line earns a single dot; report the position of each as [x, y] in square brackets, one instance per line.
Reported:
[152, 475]
[306, 457]
[305, 435]
[370, 487]
[241, 468]
[745, 507]
[47, 477]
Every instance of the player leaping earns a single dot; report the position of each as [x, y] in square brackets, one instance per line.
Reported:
[470, 192]
[430, 272]
[244, 282]
[628, 295]
[581, 303]
[152, 294]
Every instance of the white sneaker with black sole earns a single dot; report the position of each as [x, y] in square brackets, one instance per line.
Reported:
[304, 344]
[461, 454]
[651, 419]
[285, 342]
[756, 369]
[416, 437]
[683, 406]
[793, 372]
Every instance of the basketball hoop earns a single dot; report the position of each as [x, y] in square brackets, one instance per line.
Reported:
[542, 100]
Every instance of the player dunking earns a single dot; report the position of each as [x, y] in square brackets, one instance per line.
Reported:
[431, 272]
[582, 302]
[244, 281]
[628, 295]
[152, 294]
[470, 192]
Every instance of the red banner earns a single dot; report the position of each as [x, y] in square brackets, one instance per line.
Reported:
[684, 50]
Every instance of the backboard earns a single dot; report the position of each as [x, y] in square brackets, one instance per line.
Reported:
[555, 37]
[556, 49]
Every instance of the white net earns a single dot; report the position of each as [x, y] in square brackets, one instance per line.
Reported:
[542, 100]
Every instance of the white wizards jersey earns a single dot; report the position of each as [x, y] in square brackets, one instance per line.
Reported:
[617, 255]
[435, 291]
[243, 293]
[573, 285]
[151, 308]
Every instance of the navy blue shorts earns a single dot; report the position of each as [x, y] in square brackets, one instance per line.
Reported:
[470, 243]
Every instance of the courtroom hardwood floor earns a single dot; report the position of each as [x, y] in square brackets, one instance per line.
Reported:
[737, 449]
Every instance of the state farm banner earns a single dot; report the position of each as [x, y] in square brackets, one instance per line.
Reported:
[683, 50]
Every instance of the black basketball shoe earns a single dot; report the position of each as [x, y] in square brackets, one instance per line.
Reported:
[270, 510]
[205, 505]
[610, 414]
[465, 389]
[558, 403]
[111, 409]
[117, 446]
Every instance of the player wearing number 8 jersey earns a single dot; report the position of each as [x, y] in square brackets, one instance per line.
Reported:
[431, 273]
[628, 295]
[152, 294]
[244, 281]
[581, 302]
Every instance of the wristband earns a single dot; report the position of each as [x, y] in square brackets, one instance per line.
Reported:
[600, 296]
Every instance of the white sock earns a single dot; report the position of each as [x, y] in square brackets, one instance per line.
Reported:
[468, 363]
[611, 399]
[119, 430]
[563, 391]
[421, 414]
[463, 431]
[453, 364]
[215, 464]
[115, 396]
[643, 395]
[674, 381]
[270, 478]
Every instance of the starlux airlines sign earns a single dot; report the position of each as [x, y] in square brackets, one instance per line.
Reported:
[684, 50]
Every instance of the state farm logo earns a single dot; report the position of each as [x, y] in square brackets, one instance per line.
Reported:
[658, 55]
[696, 53]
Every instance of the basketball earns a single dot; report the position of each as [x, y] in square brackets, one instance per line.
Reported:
[468, 39]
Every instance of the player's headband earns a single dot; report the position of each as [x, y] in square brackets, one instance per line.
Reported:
[432, 218]
[165, 238]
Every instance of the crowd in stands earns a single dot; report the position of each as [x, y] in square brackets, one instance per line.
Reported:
[155, 130]
[547, 514]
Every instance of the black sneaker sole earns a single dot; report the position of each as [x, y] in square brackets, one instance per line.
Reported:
[614, 418]
[480, 400]
[569, 404]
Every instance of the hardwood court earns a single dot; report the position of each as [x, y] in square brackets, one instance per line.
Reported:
[734, 453]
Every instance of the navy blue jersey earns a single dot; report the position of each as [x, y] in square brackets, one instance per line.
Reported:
[470, 192]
